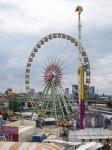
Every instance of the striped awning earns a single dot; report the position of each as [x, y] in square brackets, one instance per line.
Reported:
[29, 146]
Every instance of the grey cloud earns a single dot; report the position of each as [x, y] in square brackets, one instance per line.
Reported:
[8, 7]
[18, 41]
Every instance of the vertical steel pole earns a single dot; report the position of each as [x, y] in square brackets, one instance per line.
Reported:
[82, 104]
[80, 72]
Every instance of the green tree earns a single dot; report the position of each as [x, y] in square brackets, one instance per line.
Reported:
[15, 105]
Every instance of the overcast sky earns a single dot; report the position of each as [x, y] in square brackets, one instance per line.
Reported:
[24, 22]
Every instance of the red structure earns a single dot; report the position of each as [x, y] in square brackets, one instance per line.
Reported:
[11, 133]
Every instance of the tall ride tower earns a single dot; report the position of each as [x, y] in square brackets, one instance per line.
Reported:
[81, 92]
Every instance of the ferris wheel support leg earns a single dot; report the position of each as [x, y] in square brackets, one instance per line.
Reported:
[81, 96]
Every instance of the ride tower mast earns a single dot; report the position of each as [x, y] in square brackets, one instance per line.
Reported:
[81, 89]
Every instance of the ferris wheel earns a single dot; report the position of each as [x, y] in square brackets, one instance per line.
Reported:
[50, 75]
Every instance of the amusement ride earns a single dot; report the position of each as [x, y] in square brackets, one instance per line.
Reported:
[55, 104]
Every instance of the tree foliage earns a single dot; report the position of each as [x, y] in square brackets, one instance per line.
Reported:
[15, 105]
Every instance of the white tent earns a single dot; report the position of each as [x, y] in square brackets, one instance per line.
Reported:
[90, 146]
